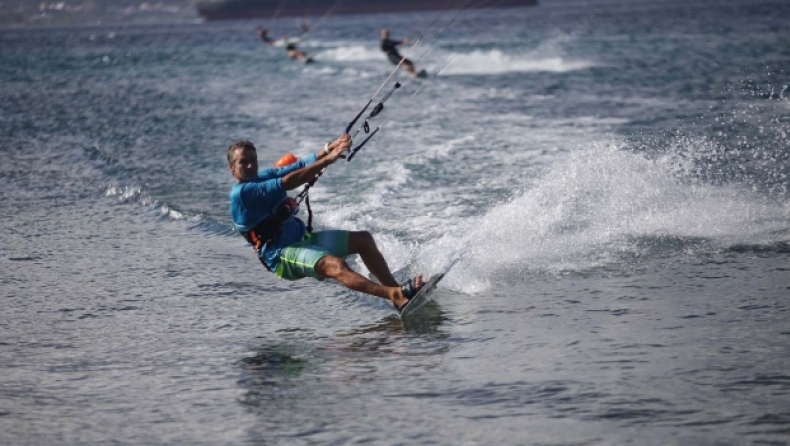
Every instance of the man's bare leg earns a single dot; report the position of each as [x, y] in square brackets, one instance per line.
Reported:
[335, 268]
[362, 243]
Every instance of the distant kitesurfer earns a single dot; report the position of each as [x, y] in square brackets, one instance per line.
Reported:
[263, 35]
[293, 50]
[265, 216]
[291, 45]
[390, 49]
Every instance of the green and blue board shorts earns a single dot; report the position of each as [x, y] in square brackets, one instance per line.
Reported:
[298, 261]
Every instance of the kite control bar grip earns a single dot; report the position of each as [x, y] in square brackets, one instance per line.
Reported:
[356, 149]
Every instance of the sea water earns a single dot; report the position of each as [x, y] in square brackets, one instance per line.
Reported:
[608, 180]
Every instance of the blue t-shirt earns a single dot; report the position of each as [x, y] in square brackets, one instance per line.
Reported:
[251, 202]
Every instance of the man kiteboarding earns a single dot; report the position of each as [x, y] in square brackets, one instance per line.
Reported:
[265, 216]
[390, 48]
[293, 50]
[291, 44]
[263, 35]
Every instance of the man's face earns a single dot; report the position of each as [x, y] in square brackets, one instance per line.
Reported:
[245, 165]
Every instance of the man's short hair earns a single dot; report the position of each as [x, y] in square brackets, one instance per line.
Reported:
[243, 145]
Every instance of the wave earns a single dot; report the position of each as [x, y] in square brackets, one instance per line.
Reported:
[478, 62]
[496, 62]
[136, 195]
[124, 187]
[607, 207]
[353, 53]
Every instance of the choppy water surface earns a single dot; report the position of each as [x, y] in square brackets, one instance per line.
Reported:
[611, 177]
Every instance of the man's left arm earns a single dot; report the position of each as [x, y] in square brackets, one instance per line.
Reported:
[327, 156]
[274, 172]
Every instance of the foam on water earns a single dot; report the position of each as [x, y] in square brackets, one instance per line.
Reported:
[605, 206]
[135, 194]
[352, 53]
[497, 62]
[548, 56]
[478, 62]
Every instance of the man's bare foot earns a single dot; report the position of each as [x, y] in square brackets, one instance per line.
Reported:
[400, 298]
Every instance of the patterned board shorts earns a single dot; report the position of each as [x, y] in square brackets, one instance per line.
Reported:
[298, 260]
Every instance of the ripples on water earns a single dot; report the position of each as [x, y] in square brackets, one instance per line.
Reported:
[611, 179]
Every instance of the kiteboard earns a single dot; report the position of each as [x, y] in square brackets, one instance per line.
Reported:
[309, 60]
[421, 298]
[422, 74]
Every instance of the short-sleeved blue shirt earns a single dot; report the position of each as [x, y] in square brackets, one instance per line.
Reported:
[251, 202]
